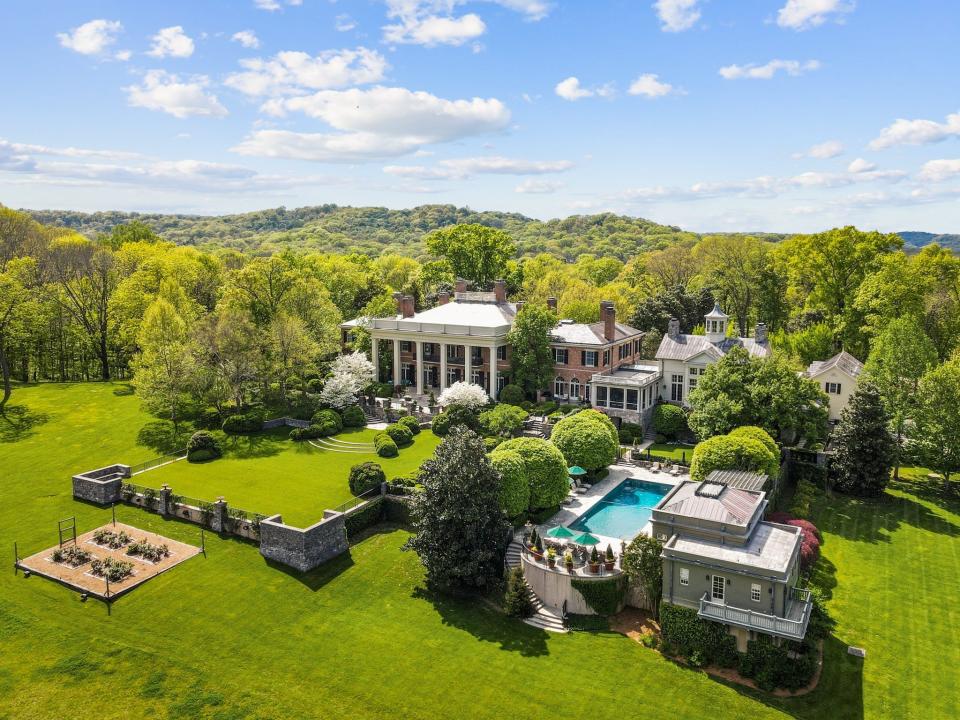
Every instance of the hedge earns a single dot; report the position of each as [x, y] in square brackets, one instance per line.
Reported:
[385, 446]
[669, 420]
[588, 623]
[396, 510]
[400, 434]
[365, 476]
[680, 627]
[360, 520]
[588, 439]
[244, 423]
[514, 493]
[603, 596]
[545, 468]
[410, 423]
[353, 417]
[328, 420]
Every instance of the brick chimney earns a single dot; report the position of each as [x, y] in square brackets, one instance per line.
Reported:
[408, 306]
[552, 303]
[673, 329]
[519, 305]
[398, 299]
[461, 285]
[609, 315]
[443, 298]
[500, 290]
[760, 333]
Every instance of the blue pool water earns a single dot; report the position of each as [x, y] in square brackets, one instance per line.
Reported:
[623, 511]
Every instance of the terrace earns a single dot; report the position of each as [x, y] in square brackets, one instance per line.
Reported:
[793, 626]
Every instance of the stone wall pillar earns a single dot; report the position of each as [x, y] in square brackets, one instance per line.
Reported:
[163, 502]
[218, 521]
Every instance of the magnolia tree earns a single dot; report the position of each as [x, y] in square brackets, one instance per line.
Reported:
[465, 394]
[356, 366]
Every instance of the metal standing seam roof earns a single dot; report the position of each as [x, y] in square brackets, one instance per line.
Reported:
[684, 347]
[740, 479]
[733, 506]
[590, 333]
[843, 360]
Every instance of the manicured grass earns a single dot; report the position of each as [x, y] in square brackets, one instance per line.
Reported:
[269, 473]
[230, 636]
[674, 452]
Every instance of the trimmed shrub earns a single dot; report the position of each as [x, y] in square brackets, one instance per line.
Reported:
[757, 433]
[385, 446]
[365, 476]
[588, 439]
[680, 627]
[353, 417]
[244, 423]
[441, 425]
[202, 446]
[410, 423]
[805, 494]
[400, 434]
[491, 443]
[382, 390]
[544, 467]
[511, 395]
[669, 420]
[514, 488]
[360, 520]
[629, 432]
[725, 452]
[329, 420]
[503, 420]
[516, 599]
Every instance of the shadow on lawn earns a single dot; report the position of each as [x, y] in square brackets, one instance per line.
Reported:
[259, 445]
[317, 578]
[161, 437]
[486, 624]
[17, 422]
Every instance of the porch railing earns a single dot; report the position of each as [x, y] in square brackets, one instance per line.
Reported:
[791, 628]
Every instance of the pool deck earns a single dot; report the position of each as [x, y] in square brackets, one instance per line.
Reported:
[583, 503]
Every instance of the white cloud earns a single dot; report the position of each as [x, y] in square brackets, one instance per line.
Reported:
[940, 170]
[822, 151]
[860, 165]
[247, 38]
[806, 14]
[92, 38]
[274, 5]
[123, 55]
[571, 89]
[677, 15]
[344, 23]
[767, 71]
[171, 42]
[432, 30]
[916, 132]
[165, 92]
[293, 71]
[462, 168]
[650, 86]
[375, 123]
[540, 187]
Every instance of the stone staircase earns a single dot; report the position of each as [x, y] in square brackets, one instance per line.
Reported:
[534, 428]
[545, 618]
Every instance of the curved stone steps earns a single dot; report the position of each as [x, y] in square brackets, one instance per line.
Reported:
[320, 444]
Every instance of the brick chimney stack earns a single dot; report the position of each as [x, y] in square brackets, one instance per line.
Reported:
[609, 315]
[673, 329]
[408, 306]
[461, 285]
[443, 298]
[760, 333]
[398, 299]
[552, 303]
[500, 290]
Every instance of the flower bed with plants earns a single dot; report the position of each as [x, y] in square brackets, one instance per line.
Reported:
[148, 551]
[71, 556]
[110, 539]
[111, 569]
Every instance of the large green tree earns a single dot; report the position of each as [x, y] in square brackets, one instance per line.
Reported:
[587, 438]
[531, 359]
[643, 565]
[475, 252]
[460, 529]
[864, 452]
[936, 435]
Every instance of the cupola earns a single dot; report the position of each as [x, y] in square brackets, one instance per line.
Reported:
[715, 324]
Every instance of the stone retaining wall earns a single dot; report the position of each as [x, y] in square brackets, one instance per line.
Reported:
[303, 548]
[285, 421]
[101, 486]
[554, 587]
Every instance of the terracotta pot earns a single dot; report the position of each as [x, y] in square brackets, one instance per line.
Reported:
[570, 568]
[551, 562]
[538, 557]
[608, 566]
[594, 567]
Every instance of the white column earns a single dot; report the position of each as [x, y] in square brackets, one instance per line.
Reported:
[419, 367]
[375, 356]
[467, 366]
[493, 372]
[443, 366]
[396, 362]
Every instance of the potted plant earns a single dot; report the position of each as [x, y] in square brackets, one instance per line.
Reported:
[432, 403]
[608, 559]
[568, 561]
[551, 557]
[594, 560]
[534, 539]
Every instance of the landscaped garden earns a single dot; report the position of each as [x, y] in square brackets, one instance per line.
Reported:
[228, 635]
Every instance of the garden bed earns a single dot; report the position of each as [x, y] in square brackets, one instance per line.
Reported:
[56, 563]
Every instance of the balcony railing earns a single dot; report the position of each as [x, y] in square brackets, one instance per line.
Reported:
[793, 627]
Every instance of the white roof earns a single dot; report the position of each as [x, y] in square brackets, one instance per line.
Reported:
[684, 347]
[770, 548]
[842, 360]
[717, 313]
[471, 314]
[590, 333]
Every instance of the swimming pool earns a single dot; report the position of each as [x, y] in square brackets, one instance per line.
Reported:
[623, 511]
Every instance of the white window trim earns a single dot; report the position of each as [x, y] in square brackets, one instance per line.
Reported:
[684, 576]
[713, 588]
[756, 592]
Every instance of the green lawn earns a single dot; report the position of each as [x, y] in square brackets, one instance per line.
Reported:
[229, 636]
[269, 473]
[674, 452]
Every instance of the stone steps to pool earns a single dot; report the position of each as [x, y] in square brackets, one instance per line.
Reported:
[545, 618]
[324, 444]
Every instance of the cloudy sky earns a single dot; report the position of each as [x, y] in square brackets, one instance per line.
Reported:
[778, 115]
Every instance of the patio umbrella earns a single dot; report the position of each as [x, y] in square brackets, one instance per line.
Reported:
[559, 533]
[586, 539]
[576, 470]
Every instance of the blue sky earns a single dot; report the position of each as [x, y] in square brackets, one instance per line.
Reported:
[777, 115]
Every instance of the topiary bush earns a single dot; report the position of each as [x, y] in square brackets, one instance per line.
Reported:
[514, 488]
[728, 452]
[544, 467]
[756, 433]
[329, 420]
[365, 477]
[588, 439]
[669, 420]
[441, 425]
[629, 432]
[353, 417]
[400, 434]
[244, 423]
[385, 446]
[411, 423]
[491, 443]
[511, 395]
[202, 447]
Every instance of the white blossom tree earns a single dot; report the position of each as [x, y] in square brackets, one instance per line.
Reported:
[466, 394]
[340, 391]
[356, 366]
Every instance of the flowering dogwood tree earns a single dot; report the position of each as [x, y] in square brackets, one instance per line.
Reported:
[340, 391]
[356, 366]
[466, 394]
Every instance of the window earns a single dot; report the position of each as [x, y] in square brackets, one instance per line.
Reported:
[558, 387]
[632, 398]
[589, 358]
[718, 587]
[454, 351]
[676, 387]
[606, 358]
[695, 374]
[636, 346]
[602, 395]
[624, 351]
[501, 352]
[475, 378]
[405, 345]
[407, 374]
[755, 592]
[501, 382]
[684, 576]
[575, 388]
[616, 398]
[560, 356]
[833, 388]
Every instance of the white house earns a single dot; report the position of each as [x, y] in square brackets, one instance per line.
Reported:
[838, 378]
[684, 358]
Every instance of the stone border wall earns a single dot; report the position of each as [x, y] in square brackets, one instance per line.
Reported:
[101, 486]
[303, 548]
[285, 421]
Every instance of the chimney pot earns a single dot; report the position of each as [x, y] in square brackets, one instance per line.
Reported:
[760, 334]
[552, 303]
[461, 285]
[673, 328]
[500, 290]
[609, 315]
[443, 298]
[408, 306]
